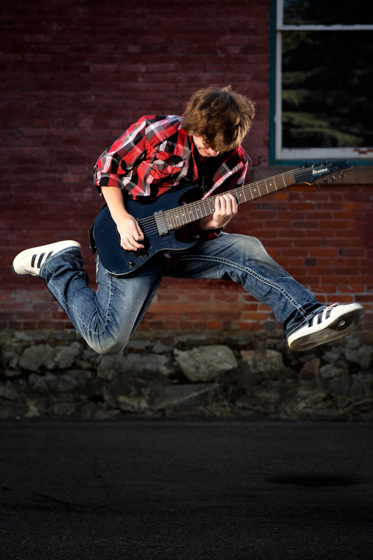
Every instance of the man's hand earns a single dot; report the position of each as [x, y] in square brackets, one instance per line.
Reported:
[128, 228]
[130, 233]
[226, 207]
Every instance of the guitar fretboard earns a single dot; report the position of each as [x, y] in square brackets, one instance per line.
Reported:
[187, 213]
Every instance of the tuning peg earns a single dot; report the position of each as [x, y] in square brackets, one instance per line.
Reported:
[325, 181]
[333, 178]
[341, 174]
[318, 185]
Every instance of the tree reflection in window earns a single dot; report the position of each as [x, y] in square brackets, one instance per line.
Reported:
[327, 82]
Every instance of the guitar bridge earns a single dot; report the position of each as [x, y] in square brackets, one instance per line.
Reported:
[161, 223]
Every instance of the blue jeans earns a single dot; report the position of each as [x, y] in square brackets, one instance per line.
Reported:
[107, 319]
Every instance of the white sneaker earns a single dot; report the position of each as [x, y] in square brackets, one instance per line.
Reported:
[31, 260]
[333, 322]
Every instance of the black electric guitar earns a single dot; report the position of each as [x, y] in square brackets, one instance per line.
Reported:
[161, 218]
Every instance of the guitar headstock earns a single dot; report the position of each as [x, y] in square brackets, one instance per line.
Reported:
[314, 173]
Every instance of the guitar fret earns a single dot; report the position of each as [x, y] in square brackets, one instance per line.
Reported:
[241, 194]
[184, 214]
[157, 222]
[254, 190]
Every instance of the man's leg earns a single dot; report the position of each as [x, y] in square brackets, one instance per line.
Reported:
[244, 260]
[105, 319]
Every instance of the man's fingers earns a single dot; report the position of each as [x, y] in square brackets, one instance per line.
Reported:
[227, 204]
[132, 241]
[130, 244]
[139, 232]
[131, 235]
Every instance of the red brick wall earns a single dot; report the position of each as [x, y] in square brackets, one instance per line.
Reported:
[75, 74]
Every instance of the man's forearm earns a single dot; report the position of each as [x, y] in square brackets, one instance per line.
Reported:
[114, 199]
[129, 229]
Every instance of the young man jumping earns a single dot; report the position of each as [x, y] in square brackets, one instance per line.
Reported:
[154, 156]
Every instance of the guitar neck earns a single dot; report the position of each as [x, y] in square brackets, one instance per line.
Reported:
[187, 213]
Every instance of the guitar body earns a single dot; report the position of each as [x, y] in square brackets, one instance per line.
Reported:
[161, 219]
[120, 262]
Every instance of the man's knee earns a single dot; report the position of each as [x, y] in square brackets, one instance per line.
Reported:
[108, 347]
[250, 246]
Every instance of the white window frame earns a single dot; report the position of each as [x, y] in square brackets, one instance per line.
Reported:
[281, 153]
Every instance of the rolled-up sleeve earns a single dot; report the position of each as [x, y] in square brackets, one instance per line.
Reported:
[114, 168]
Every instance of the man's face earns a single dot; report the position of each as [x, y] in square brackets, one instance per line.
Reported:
[203, 148]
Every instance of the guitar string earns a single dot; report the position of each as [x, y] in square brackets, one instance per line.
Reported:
[196, 206]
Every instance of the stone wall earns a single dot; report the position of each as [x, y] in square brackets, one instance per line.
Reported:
[54, 374]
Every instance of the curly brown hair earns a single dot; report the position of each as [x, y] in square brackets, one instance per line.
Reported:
[220, 116]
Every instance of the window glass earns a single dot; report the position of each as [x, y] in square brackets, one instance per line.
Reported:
[327, 77]
[328, 12]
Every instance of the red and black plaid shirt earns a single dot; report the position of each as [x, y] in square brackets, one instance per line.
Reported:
[155, 154]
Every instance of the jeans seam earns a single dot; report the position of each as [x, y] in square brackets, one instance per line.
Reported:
[62, 298]
[254, 274]
[103, 328]
[108, 311]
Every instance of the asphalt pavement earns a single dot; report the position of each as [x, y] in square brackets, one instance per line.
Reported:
[186, 489]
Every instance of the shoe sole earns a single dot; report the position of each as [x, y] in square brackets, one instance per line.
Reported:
[332, 332]
[52, 247]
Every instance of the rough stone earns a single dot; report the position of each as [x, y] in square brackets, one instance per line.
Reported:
[9, 391]
[182, 395]
[362, 385]
[361, 355]
[206, 363]
[329, 371]
[308, 404]
[54, 383]
[271, 393]
[340, 385]
[65, 355]
[310, 370]
[132, 403]
[35, 357]
[264, 362]
[44, 355]
[54, 373]
[63, 409]
[39, 382]
[190, 338]
[109, 366]
[138, 345]
[160, 348]
[352, 342]
[331, 357]
[133, 363]
[28, 336]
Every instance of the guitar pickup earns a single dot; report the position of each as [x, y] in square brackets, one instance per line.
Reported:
[161, 223]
